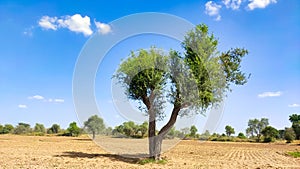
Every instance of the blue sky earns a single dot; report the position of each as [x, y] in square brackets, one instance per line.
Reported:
[41, 40]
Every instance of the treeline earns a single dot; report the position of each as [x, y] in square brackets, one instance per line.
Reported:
[258, 130]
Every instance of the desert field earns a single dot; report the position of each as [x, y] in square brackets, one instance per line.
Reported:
[78, 153]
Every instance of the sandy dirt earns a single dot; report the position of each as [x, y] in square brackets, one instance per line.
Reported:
[67, 152]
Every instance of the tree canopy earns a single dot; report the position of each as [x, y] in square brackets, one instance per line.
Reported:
[94, 125]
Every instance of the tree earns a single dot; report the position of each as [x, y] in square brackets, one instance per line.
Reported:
[295, 119]
[256, 126]
[229, 130]
[193, 131]
[241, 136]
[196, 79]
[39, 128]
[143, 128]
[73, 129]
[54, 129]
[108, 131]
[269, 133]
[289, 135]
[22, 128]
[94, 125]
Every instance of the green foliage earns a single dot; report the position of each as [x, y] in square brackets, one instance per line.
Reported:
[295, 154]
[289, 135]
[255, 127]
[269, 133]
[54, 129]
[73, 130]
[241, 136]
[130, 129]
[205, 135]
[95, 125]
[193, 131]
[22, 128]
[229, 130]
[39, 128]
[151, 160]
[295, 119]
[7, 128]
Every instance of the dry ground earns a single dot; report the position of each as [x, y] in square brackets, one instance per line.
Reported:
[66, 152]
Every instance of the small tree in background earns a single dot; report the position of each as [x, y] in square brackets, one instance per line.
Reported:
[269, 133]
[229, 130]
[295, 119]
[289, 135]
[7, 128]
[22, 128]
[73, 130]
[54, 129]
[94, 125]
[256, 126]
[241, 136]
[193, 131]
[143, 128]
[39, 129]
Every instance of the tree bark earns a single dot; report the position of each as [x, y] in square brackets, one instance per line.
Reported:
[94, 135]
[159, 138]
[155, 141]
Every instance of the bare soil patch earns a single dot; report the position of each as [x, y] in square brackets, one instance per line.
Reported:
[77, 153]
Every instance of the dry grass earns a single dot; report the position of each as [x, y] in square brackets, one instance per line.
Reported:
[67, 152]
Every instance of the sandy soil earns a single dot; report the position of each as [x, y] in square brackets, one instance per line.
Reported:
[66, 152]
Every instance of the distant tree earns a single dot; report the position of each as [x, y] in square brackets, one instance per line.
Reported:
[229, 130]
[281, 134]
[205, 135]
[185, 130]
[143, 128]
[269, 133]
[22, 128]
[241, 136]
[39, 128]
[8, 128]
[108, 131]
[295, 119]
[193, 131]
[54, 129]
[171, 133]
[1, 129]
[73, 129]
[289, 135]
[256, 126]
[130, 128]
[94, 125]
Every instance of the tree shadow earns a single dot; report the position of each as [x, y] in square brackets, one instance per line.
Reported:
[128, 158]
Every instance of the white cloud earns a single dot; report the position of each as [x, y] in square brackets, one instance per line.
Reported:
[294, 105]
[233, 4]
[22, 106]
[260, 3]
[102, 27]
[213, 9]
[270, 94]
[76, 23]
[47, 22]
[59, 100]
[37, 97]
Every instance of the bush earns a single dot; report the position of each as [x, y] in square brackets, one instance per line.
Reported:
[22, 128]
[289, 135]
[241, 136]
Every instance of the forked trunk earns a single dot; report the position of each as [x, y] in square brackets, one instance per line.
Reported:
[155, 142]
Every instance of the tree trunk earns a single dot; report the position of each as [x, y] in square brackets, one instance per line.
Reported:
[159, 138]
[151, 134]
[94, 135]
